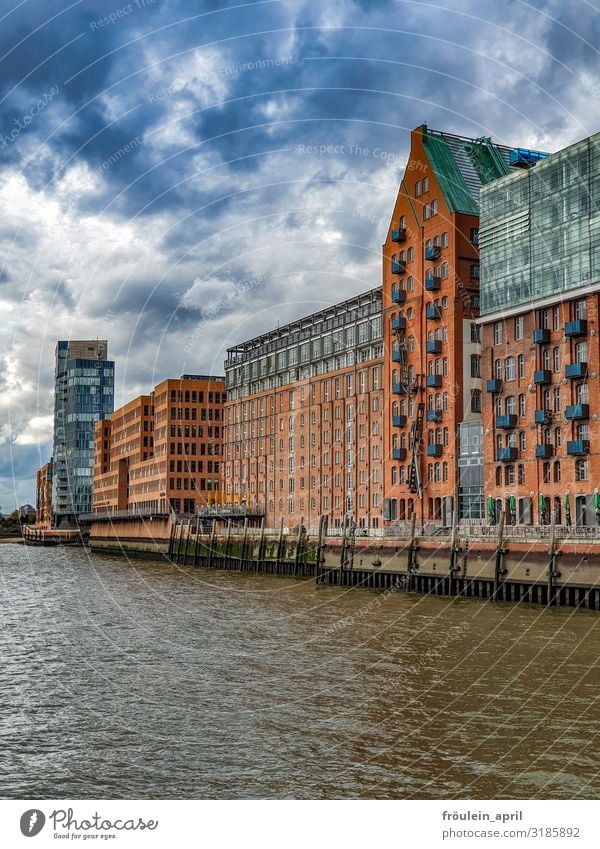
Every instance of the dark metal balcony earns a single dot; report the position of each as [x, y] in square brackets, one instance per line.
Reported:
[578, 411]
[398, 453]
[396, 357]
[434, 346]
[399, 421]
[398, 266]
[434, 380]
[507, 455]
[433, 311]
[576, 371]
[541, 336]
[576, 328]
[543, 417]
[542, 377]
[544, 452]
[494, 386]
[399, 389]
[578, 447]
[434, 415]
[432, 253]
[434, 450]
[432, 284]
[399, 234]
[399, 323]
[399, 296]
[507, 422]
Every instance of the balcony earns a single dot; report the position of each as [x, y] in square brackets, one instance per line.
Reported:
[578, 412]
[398, 267]
[543, 417]
[507, 455]
[434, 346]
[541, 336]
[576, 328]
[432, 253]
[434, 381]
[399, 389]
[544, 452]
[398, 453]
[399, 421]
[399, 296]
[396, 357]
[399, 234]
[433, 311]
[576, 371]
[434, 450]
[434, 416]
[578, 447]
[542, 377]
[432, 284]
[507, 422]
[399, 323]
[494, 386]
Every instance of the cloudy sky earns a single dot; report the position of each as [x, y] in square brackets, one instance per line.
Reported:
[157, 186]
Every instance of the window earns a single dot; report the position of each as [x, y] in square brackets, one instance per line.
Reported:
[521, 473]
[557, 472]
[510, 405]
[581, 470]
[475, 335]
[475, 365]
[581, 393]
[426, 211]
[475, 270]
[546, 319]
[558, 437]
[425, 184]
[556, 318]
[410, 254]
[444, 270]
[521, 406]
[581, 352]
[510, 475]
[498, 333]
[434, 207]
[418, 189]
[580, 312]
[521, 366]
[444, 240]
[546, 359]
[519, 327]
[522, 441]
[557, 400]
[556, 358]
[509, 368]
[498, 369]
[474, 236]
[475, 400]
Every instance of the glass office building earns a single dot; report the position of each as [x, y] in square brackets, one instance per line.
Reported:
[540, 229]
[83, 394]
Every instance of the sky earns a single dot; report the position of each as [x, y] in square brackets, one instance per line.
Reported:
[177, 176]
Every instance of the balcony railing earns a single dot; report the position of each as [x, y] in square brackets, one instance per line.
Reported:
[543, 417]
[399, 234]
[399, 322]
[542, 377]
[578, 411]
[433, 311]
[398, 421]
[541, 336]
[399, 296]
[494, 386]
[434, 416]
[507, 455]
[578, 447]
[434, 346]
[434, 450]
[396, 357]
[544, 452]
[432, 253]
[576, 328]
[399, 389]
[398, 266]
[434, 380]
[576, 371]
[399, 454]
[507, 422]
[432, 284]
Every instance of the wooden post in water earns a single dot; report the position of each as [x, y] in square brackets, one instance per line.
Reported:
[298, 552]
[323, 521]
[279, 547]
[261, 545]
[196, 541]
[554, 553]
[213, 536]
[412, 554]
[499, 569]
[453, 554]
[244, 543]
[227, 543]
[171, 540]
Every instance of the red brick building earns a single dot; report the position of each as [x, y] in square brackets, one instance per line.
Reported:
[432, 380]
[43, 496]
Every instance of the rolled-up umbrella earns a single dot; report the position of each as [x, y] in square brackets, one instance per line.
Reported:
[597, 506]
[567, 510]
[512, 503]
[542, 510]
[491, 509]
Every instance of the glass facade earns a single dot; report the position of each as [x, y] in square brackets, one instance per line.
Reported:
[470, 471]
[83, 394]
[540, 229]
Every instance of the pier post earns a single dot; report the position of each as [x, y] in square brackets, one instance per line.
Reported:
[227, 543]
[261, 545]
[323, 521]
[298, 552]
[279, 547]
[196, 541]
[453, 555]
[499, 569]
[171, 540]
[412, 565]
[211, 549]
[244, 542]
[554, 554]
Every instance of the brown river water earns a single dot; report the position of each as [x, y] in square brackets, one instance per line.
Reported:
[138, 679]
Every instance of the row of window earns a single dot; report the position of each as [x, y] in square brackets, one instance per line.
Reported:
[551, 472]
[194, 396]
[549, 319]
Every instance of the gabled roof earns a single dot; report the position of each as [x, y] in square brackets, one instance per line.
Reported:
[463, 165]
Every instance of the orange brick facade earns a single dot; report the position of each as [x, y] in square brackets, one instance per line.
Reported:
[308, 441]
[43, 497]
[431, 375]
[162, 451]
[541, 370]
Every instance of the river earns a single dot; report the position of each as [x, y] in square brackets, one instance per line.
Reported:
[143, 680]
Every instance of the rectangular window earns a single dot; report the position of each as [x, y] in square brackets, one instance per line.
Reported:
[519, 323]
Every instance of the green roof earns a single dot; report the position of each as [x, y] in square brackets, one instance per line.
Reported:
[462, 165]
